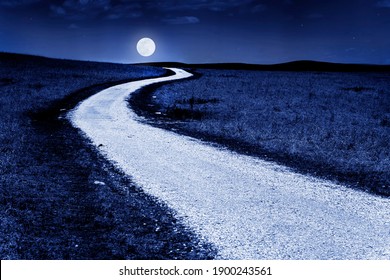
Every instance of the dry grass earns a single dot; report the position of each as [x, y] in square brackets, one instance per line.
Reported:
[340, 122]
[51, 206]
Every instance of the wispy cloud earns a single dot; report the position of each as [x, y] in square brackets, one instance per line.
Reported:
[17, 3]
[80, 9]
[350, 50]
[383, 4]
[181, 20]
[212, 5]
[117, 9]
[88, 9]
[58, 10]
[259, 8]
[125, 10]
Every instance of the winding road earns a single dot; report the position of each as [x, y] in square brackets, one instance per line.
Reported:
[247, 207]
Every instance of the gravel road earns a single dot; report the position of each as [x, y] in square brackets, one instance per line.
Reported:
[247, 207]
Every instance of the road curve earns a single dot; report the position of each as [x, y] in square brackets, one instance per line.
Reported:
[247, 207]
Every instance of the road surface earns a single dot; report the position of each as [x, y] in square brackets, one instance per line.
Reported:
[248, 208]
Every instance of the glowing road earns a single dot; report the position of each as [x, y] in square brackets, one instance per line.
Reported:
[249, 208]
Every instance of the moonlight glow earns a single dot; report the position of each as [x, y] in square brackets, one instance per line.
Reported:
[146, 47]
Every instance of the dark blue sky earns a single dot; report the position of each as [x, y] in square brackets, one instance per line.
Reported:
[197, 31]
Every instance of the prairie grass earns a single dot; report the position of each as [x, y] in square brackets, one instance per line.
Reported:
[58, 198]
[335, 125]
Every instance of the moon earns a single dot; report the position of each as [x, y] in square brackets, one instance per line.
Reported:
[146, 47]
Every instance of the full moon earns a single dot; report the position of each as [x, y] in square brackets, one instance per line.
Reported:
[146, 47]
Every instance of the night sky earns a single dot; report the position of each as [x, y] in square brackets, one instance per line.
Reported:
[197, 31]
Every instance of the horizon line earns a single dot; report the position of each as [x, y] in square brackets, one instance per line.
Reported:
[158, 63]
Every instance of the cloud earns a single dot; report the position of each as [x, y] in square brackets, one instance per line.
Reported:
[58, 10]
[193, 5]
[259, 8]
[73, 26]
[181, 20]
[90, 9]
[80, 9]
[18, 3]
[119, 15]
[383, 4]
[125, 10]
[118, 9]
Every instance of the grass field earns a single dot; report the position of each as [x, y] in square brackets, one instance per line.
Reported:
[58, 198]
[334, 125]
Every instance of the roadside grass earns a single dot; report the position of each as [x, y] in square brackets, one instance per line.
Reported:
[334, 125]
[59, 199]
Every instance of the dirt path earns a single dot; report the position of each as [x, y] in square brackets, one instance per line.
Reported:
[65, 201]
[249, 208]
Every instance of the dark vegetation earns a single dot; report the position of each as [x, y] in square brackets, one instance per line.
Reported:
[335, 125]
[303, 65]
[59, 199]
[186, 108]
